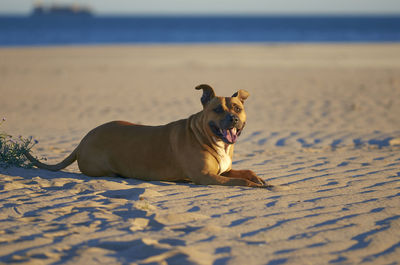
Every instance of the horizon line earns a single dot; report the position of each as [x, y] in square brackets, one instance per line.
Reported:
[222, 14]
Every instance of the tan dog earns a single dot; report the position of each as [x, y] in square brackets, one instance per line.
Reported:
[197, 149]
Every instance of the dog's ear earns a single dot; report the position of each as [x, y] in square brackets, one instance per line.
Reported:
[208, 93]
[242, 95]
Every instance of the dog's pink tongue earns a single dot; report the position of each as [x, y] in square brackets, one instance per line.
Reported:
[230, 135]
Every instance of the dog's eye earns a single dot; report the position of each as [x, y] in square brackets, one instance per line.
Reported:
[237, 109]
[219, 109]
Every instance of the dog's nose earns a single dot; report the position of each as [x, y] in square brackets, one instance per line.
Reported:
[234, 119]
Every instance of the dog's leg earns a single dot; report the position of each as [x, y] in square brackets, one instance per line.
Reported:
[211, 179]
[244, 174]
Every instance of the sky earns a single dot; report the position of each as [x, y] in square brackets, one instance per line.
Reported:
[217, 6]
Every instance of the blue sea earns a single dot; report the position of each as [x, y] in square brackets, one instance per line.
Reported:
[75, 30]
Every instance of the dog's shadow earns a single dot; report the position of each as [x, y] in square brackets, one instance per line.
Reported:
[35, 173]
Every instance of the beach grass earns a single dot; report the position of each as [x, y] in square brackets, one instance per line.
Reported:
[12, 149]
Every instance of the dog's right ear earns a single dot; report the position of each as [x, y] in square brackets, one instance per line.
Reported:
[208, 93]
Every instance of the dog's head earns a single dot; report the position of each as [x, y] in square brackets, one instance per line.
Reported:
[225, 116]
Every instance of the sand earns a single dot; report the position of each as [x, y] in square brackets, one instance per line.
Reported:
[323, 120]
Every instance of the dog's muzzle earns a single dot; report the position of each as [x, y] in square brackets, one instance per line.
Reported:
[230, 129]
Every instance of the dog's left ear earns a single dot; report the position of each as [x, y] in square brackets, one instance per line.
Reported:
[208, 93]
[242, 95]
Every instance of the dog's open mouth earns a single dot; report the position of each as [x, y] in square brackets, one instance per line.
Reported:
[229, 135]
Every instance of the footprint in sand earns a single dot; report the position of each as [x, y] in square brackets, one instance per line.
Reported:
[139, 224]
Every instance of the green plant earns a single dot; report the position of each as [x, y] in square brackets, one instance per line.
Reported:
[12, 150]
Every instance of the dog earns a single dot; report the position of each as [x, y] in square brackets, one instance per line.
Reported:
[198, 149]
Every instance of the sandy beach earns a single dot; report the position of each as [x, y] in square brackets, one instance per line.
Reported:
[323, 121]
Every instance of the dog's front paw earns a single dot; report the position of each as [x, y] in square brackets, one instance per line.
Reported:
[246, 174]
[250, 175]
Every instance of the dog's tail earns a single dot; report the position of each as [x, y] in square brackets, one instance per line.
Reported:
[63, 164]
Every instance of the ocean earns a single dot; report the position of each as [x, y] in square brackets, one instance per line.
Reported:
[76, 30]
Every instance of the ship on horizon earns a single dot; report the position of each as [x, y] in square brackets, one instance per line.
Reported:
[61, 10]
